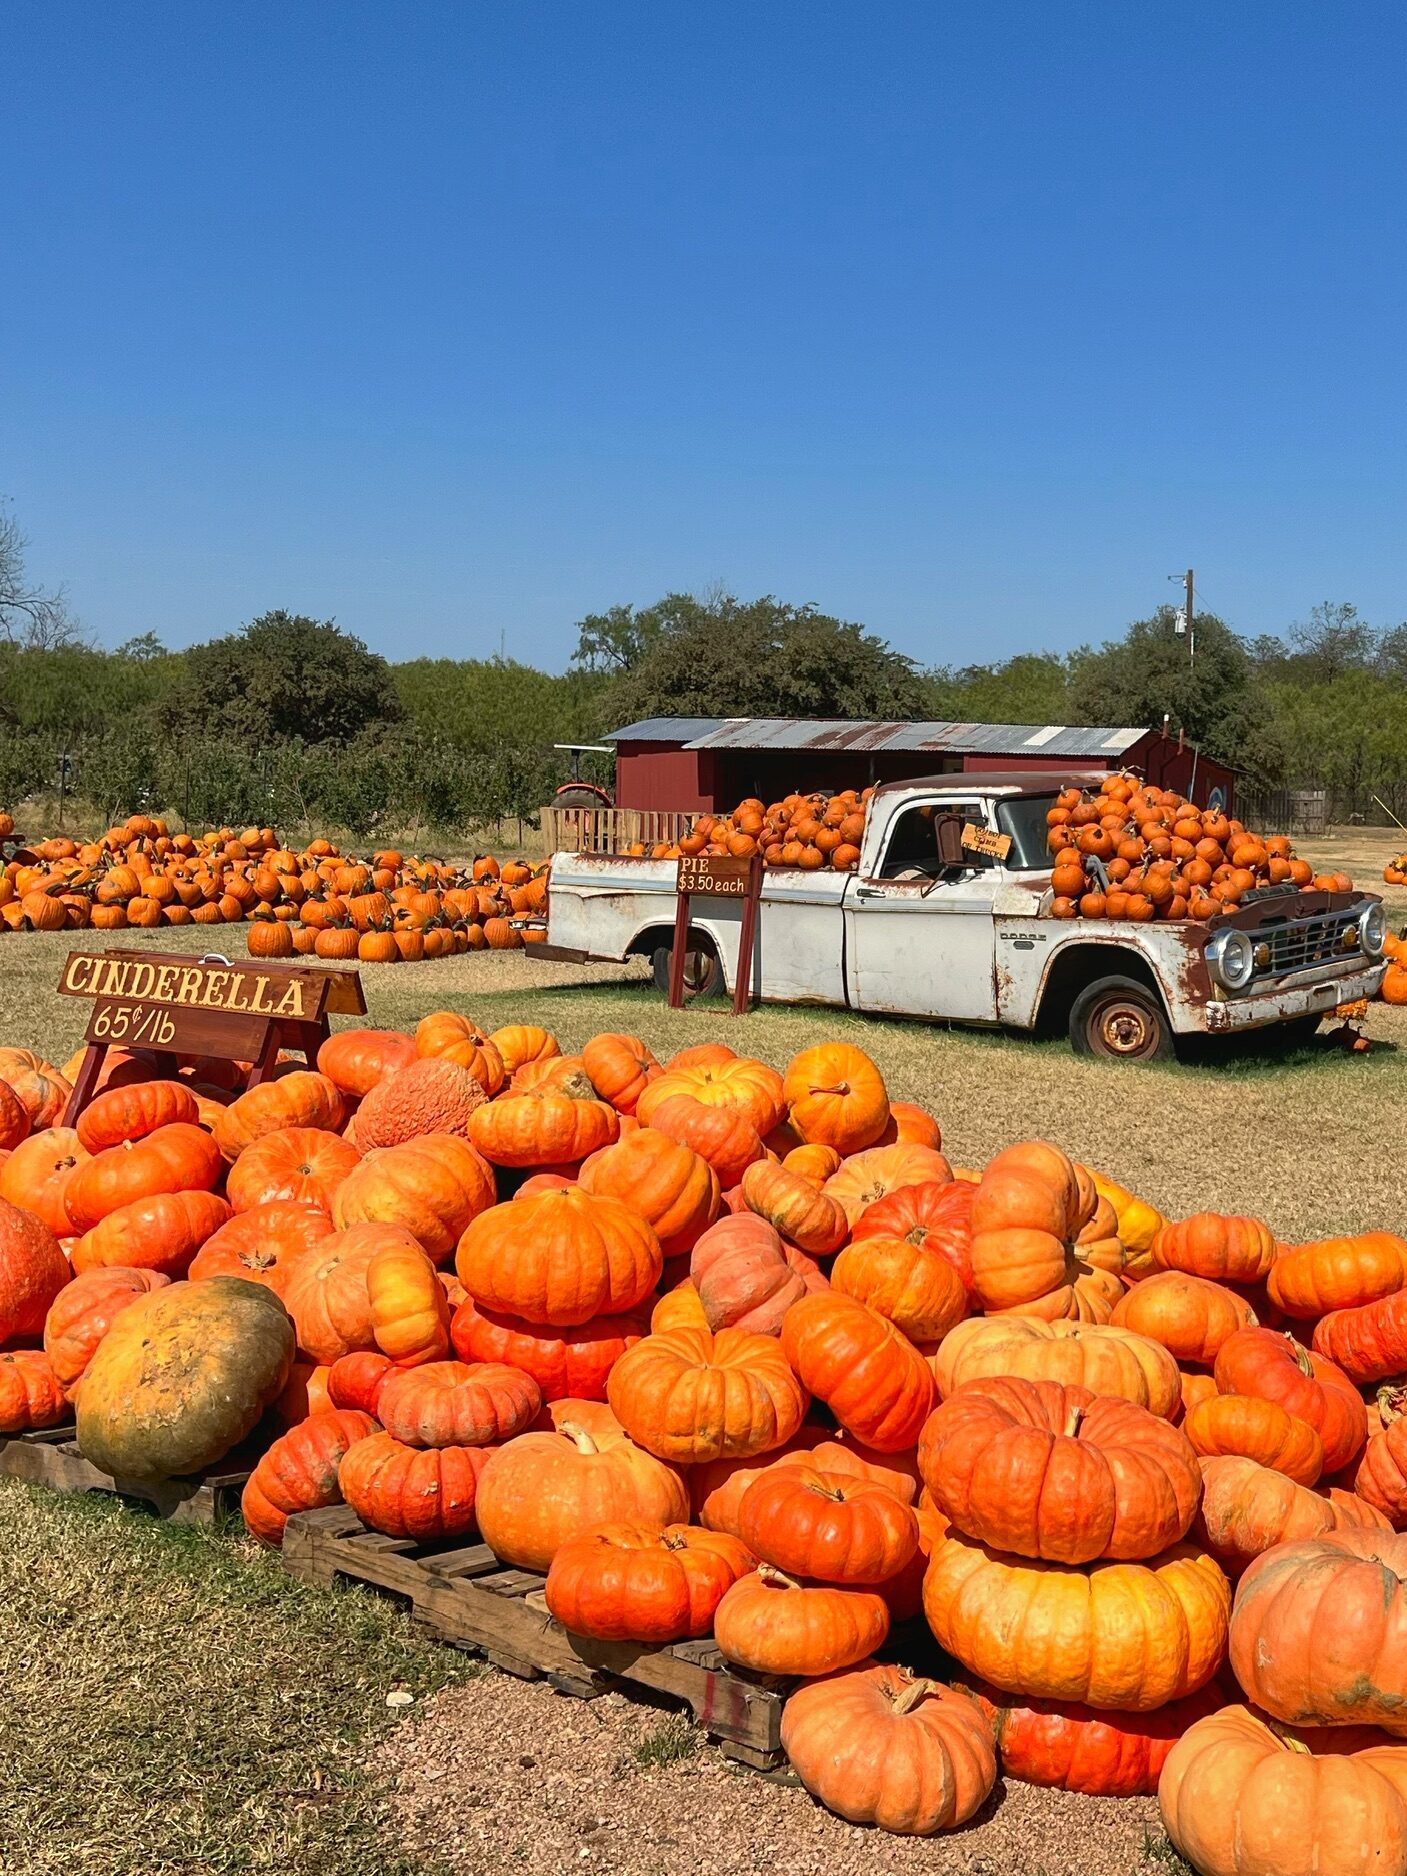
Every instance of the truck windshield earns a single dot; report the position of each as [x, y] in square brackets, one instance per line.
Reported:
[1023, 817]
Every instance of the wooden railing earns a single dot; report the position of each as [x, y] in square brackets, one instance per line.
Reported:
[610, 830]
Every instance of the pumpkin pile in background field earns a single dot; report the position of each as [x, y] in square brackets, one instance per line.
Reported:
[317, 901]
[1395, 872]
[1394, 985]
[1162, 857]
[722, 1349]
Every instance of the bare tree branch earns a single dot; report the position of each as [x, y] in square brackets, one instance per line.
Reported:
[29, 618]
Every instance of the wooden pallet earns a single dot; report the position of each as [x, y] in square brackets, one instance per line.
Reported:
[466, 1597]
[51, 1457]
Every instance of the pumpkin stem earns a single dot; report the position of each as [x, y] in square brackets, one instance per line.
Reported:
[841, 1087]
[916, 1691]
[584, 1442]
[1392, 1402]
[1303, 1360]
[1074, 1420]
[1283, 1734]
[775, 1578]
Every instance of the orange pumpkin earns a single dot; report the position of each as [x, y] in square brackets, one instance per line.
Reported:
[831, 1526]
[741, 1083]
[1211, 1244]
[746, 1277]
[633, 1582]
[298, 1165]
[354, 1060]
[162, 1232]
[543, 1128]
[871, 1376]
[430, 1095]
[917, 1289]
[568, 1363]
[83, 1312]
[130, 1112]
[302, 1099]
[770, 1623]
[178, 1158]
[672, 1188]
[723, 1136]
[408, 1491]
[1257, 1429]
[446, 1033]
[434, 1187]
[30, 1393]
[299, 1471]
[1190, 1316]
[620, 1067]
[560, 1258]
[835, 1096]
[409, 1307]
[792, 1205]
[36, 1175]
[687, 1395]
[866, 1178]
[456, 1403]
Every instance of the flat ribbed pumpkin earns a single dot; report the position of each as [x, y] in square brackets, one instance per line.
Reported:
[687, 1395]
[302, 1165]
[560, 1258]
[299, 1471]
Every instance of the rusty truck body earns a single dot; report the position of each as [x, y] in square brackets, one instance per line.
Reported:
[931, 926]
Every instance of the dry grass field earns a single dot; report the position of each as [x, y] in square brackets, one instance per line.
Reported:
[180, 1706]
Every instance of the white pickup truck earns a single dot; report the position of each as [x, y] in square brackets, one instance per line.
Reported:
[927, 927]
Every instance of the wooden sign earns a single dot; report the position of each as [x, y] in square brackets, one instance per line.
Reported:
[183, 1006]
[986, 840]
[717, 876]
[721, 875]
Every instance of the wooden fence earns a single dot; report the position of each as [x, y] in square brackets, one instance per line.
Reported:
[610, 830]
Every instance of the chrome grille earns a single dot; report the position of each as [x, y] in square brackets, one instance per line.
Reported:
[1306, 944]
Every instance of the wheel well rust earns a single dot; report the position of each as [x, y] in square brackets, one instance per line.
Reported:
[1075, 968]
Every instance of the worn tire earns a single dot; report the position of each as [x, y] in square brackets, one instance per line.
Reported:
[1121, 1020]
[703, 974]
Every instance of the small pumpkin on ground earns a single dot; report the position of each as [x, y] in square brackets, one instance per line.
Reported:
[775, 1625]
[877, 1746]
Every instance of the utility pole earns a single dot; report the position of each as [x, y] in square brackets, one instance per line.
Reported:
[1191, 627]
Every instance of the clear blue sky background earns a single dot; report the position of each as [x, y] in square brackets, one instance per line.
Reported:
[969, 321]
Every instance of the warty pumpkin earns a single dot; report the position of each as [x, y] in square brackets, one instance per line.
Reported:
[1044, 1470]
[871, 1376]
[299, 1470]
[1132, 1636]
[560, 1258]
[429, 1095]
[687, 1395]
[182, 1375]
[774, 1625]
[1240, 1796]
[542, 1489]
[634, 1582]
[877, 1746]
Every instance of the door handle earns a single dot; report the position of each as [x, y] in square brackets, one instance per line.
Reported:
[868, 892]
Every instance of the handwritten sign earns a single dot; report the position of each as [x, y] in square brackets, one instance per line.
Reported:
[185, 1006]
[720, 874]
[986, 840]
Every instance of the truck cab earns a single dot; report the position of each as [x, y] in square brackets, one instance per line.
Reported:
[947, 918]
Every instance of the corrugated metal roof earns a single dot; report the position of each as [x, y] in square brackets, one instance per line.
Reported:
[839, 733]
[669, 729]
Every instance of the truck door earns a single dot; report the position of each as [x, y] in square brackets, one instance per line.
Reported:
[919, 934]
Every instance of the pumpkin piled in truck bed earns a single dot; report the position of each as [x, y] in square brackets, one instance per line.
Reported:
[1136, 852]
[809, 831]
[728, 1350]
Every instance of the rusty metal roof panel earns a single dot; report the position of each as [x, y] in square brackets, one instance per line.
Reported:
[840, 733]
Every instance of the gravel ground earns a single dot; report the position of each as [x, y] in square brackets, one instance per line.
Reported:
[501, 1775]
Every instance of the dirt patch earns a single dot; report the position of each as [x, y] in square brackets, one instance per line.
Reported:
[501, 1775]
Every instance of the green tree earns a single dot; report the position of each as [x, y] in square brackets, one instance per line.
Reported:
[1033, 687]
[283, 676]
[1152, 670]
[616, 640]
[730, 657]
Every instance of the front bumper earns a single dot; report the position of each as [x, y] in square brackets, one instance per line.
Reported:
[1316, 995]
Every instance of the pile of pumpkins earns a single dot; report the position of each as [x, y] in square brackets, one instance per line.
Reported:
[1161, 857]
[722, 1349]
[809, 831]
[381, 910]
[1395, 872]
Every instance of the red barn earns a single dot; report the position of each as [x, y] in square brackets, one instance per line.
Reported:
[709, 764]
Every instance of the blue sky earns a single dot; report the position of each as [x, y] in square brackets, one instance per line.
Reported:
[972, 322]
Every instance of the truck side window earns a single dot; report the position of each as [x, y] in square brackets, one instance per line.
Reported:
[912, 852]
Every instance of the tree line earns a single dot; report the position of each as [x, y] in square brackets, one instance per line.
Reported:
[292, 721]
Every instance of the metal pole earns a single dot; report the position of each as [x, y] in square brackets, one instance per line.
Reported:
[1191, 628]
[63, 783]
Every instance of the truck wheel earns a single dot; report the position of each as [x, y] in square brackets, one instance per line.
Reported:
[1119, 1017]
[703, 974]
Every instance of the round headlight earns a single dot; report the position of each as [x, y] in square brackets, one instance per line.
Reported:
[1231, 958]
[1372, 930]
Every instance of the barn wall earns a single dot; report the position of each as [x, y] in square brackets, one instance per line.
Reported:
[652, 775]
[1161, 762]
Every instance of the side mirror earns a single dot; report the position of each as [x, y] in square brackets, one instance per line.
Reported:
[948, 831]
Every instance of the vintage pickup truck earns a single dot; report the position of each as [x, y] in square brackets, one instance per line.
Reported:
[929, 927]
